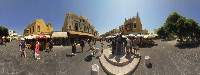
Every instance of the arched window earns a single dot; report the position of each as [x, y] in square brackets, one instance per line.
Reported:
[76, 26]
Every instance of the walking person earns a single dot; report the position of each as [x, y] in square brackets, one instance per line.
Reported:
[74, 48]
[22, 47]
[51, 45]
[82, 44]
[37, 50]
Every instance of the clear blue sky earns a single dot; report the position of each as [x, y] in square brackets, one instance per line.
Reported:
[103, 14]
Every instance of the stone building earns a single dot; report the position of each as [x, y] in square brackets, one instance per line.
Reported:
[37, 27]
[132, 25]
[78, 26]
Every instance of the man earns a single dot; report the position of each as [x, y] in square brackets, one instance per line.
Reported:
[101, 47]
[128, 45]
[51, 45]
[74, 48]
[22, 47]
[135, 46]
[82, 44]
[113, 45]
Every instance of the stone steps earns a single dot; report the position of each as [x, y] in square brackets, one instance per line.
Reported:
[118, 70]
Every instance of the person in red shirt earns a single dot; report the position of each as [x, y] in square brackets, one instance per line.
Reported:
[37, 50]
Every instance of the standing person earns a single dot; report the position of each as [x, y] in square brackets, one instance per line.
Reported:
[22, 47]
[37, 50]
[82, 44]
[51, 45]
[74, 48]
[4, 41]
[135, 45]
[114, 45]
[48, 47]
[101, 47]
[128, 45]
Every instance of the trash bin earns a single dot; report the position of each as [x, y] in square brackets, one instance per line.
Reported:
[95, 69]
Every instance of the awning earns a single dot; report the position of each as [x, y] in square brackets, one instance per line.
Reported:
[80, 33]
[59, 35]
[29, 37]
[74, 32]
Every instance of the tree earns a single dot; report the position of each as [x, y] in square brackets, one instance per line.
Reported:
[186, 30]
[3, 31]
[169, 29]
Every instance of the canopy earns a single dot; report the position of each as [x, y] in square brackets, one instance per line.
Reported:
[59, 35]
[29, 37]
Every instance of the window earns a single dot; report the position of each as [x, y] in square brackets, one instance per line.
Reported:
[38, 28]
[134, 26]
[33, 29]
[76, 26]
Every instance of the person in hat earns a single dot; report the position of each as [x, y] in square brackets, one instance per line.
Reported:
[22, 47]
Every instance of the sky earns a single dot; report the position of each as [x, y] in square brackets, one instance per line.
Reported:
[103, 14]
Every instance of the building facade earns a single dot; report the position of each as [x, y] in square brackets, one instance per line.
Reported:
[132, 25]
[78, 25]
[37, 27]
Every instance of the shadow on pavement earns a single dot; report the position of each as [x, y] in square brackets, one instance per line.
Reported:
[183, 46]
[88, 58]
[69, 55]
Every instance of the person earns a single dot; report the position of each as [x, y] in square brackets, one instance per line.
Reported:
[48, 47]
[74, 48]
[37, 50]
[51, 45]
[82, 44]
[101, 47]
[135, 46]
[4, 41]
[22, 47]
[113, 45]
[128, 45]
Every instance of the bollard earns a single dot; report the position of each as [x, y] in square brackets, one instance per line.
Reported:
[148, 62]
[95, 69]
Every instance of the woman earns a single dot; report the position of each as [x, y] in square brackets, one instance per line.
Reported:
[37, 50]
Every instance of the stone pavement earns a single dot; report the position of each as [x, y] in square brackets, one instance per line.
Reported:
[117, 69]
[167, 59]
[53, 63]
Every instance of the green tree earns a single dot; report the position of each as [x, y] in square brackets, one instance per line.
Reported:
[186, 30]
[3, 31]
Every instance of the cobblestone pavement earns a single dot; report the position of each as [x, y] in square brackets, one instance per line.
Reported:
[170, 60]
[166, 59]
[53, 63]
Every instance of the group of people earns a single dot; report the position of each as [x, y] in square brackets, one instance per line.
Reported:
[121, 45]
[36, 48]
[82, 43]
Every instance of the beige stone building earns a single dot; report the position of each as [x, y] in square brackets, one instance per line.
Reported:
[37, 27]
[78, 26]
[132, 25]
